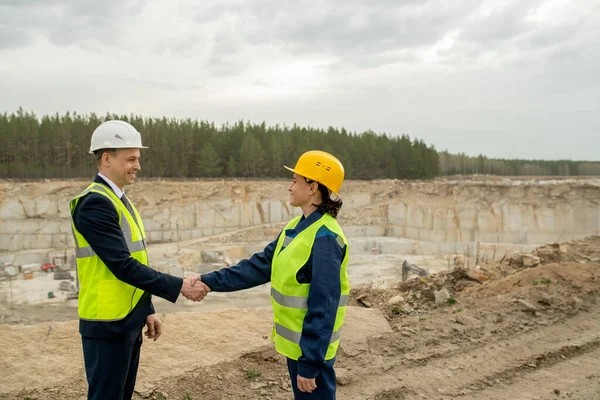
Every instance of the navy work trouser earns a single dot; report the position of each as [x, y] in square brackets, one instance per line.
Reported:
[325, 382]
[111, 365]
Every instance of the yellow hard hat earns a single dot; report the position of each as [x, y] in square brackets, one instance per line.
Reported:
[321, 167]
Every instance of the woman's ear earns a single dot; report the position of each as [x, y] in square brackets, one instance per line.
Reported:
[314, 187]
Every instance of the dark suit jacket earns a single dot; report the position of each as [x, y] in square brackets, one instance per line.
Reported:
[97, 220]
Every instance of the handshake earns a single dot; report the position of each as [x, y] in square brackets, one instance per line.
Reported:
[194, 289]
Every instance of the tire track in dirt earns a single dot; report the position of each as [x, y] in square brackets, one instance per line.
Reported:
[464, 373]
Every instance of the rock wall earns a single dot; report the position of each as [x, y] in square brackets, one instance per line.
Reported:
[36, 215]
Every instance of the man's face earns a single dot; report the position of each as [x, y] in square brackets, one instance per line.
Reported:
[121, 166]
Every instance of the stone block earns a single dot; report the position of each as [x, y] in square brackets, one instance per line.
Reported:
[415, 216]
[440, 218]
[397, 231]
[514, 237]
[185, 234]
[254, 248]
[465, 236]
[448, 248]
[361, 245]
[374, 231]
[539, 238]
[224, 214]
[162, 217]
[397, 213]
[432, 235]
[584, 218]
[152, 225]
[487, 221]
[65, 227]
[467, 217]
[154, 236]
[49, 227]
[428, 217]
[357, 200]
[355, 231]
[46, 208]
[518, 218]
[208, 231]
[57, 241]
[412, 233]
[287, 211]
[64, 210]
[196, 233]
[12, 208]
[247, 210]
[8, 242]
[29, 206]
[261, 213]
[6, 258]
[452, 236]
[31, 257]
[169, 236]
[545, 219]
[24, 226]
[420, 217]
[428, 248]
[487, 237]
[205, 215]
[275, 211]
[451, 219]
[396, 247]
[183, 218]
[45, 241]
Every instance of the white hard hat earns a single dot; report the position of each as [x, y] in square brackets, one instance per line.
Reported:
[116, 135]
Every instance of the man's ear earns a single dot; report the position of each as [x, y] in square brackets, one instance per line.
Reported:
[106, 156]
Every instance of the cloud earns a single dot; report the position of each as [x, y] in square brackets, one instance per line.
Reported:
[486, 72]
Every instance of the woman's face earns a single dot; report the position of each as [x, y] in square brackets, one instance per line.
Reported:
[301, 192]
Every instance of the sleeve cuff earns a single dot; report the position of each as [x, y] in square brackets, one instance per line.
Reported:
[208, 281]
[151, 311]
[307, 371]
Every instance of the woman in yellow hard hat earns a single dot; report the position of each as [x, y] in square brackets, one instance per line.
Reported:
[306, 266]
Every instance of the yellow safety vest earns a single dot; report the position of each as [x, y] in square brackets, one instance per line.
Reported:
[103, 297]
[289, 297]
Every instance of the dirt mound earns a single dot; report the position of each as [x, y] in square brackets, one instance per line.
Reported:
[585, 250]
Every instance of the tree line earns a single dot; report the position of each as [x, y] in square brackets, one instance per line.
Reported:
[56, 146]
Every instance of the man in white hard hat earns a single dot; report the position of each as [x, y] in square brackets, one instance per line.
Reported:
[116, 282]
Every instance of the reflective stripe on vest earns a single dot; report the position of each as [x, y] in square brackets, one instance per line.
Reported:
[289, 298]
[299, 302]
[295, 337]
[103, 297]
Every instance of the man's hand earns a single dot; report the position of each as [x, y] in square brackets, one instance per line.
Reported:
[306, 385]
[194, 289]
[154, 326]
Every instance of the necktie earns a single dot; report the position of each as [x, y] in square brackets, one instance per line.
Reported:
[128, 207]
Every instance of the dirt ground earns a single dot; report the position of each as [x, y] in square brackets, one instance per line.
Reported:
[501, 331]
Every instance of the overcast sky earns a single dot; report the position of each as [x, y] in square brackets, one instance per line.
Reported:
[506, 78]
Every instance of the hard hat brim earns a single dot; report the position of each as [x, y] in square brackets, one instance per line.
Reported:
[113, 147]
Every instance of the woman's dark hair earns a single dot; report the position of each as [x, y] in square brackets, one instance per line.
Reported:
[328, 205]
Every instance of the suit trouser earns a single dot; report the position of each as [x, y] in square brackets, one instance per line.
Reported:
[325, 382]
[111, 365]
